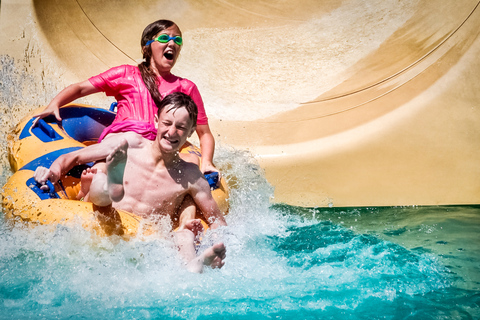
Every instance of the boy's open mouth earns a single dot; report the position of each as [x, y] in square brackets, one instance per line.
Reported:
[171, 141]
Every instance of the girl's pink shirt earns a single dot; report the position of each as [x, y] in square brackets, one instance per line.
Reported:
[135, 106]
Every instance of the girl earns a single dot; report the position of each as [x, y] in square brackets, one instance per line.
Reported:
[138, 91]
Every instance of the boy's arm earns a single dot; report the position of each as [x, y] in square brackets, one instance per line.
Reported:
[59, 167]
[203, 198]
[67, 161]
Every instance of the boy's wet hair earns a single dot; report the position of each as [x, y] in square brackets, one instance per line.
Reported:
[179, 100]
[148, 76]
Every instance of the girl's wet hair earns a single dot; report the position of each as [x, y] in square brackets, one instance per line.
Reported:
[179, 100]
[148, 75]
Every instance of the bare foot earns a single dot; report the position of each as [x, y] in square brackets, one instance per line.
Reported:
[194, 225]
[116, 162]
[215, 255]
[212, 256]
[86, 181]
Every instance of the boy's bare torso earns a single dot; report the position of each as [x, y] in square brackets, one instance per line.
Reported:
[150, 187]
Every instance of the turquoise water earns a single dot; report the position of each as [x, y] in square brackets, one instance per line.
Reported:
[283, 262]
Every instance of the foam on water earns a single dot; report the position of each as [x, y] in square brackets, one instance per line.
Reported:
[281, 264]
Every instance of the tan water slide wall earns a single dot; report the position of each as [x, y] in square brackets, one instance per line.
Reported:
[343, 103]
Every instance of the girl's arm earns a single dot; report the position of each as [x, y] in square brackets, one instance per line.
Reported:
[207, 147]
[65, 96]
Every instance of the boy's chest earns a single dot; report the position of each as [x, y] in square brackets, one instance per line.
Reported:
[154, 188]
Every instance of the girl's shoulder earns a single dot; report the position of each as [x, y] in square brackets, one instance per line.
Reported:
[121, 71]
[183, 81]
[129, 69]
[186, 84]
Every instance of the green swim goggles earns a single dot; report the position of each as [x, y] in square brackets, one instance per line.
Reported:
[164, 38]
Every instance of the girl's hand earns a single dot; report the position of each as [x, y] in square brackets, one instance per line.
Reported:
[67, 95]
[208, 167]
[45, 113]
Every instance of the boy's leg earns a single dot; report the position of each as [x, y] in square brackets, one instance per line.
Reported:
[98, 193]
[85, 182]
[103, 188]
[185, 213]
[116, 162]
[213, 256]
[87, 177]
[195, 226]
[185, 241]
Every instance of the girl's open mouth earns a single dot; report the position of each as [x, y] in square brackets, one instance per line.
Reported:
[168, 55]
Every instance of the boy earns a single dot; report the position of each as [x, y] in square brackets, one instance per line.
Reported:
[148, 178]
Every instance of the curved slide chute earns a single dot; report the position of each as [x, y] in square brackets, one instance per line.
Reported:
[343, 103]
